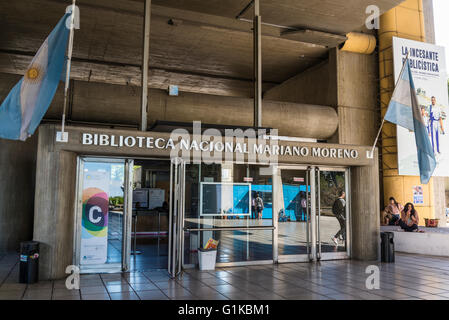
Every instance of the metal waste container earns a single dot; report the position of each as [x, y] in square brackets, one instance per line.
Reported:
[387, 246]
[29, 262]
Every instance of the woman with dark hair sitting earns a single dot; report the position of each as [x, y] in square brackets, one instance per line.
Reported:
[409, 218]
[393, 212]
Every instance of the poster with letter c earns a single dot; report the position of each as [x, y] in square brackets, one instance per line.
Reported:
[94, 221]
[428, 66]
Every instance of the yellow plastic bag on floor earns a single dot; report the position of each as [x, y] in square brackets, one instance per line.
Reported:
[211, 244]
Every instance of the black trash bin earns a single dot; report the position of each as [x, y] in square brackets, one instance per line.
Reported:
[387, 246]
[29, 262]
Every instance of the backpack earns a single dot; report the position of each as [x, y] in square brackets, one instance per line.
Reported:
[259, 202]
[337, 208]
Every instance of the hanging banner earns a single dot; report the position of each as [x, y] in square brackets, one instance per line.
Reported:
[428, 65]
[94, 225]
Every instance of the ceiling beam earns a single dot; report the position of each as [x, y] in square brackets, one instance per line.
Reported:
[129, 75]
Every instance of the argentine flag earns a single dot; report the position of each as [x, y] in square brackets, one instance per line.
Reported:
[26, 104]
[404, 111]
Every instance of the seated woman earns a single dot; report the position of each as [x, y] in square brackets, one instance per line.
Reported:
[409, 218]
[393, 212]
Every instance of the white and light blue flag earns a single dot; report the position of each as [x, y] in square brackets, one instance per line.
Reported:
[404, 111]
[26, 104]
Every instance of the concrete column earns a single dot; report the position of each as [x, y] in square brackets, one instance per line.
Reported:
[17, 176]
[439, 200]
[54, 206]
[45, 202]
[365, 218]
[429, 21]
[357, 91]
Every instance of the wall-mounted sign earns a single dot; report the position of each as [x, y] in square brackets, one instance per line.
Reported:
[298, 179]
[119, 141]
[418, 195]
[428, 65]
[95, 214]
[248, 179]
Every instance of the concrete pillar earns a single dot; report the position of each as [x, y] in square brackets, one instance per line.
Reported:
[54, 206]
[17, 180]
[429, 21]
[365, 209]
[357, 91]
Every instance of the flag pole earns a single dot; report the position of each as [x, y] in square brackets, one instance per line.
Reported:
[370, 154]
[67, 76]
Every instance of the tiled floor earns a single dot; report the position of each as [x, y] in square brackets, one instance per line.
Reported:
[411, 277]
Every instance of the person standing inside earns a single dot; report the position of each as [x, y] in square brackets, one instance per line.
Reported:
[303, 206]
[259, 206]
[339, 211]
[253, 207]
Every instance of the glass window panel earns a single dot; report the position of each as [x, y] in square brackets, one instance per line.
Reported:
[332, 227]
[102, 213]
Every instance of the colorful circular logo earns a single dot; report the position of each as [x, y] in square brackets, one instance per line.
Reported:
[95, 211]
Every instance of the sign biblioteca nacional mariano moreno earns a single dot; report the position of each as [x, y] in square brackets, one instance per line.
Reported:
[189, 145]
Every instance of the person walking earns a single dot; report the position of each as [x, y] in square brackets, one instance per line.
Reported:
[303, 206]
[339, 211]
[259, 206]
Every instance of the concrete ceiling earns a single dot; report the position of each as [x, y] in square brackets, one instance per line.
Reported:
[199, 45]
[334, 16]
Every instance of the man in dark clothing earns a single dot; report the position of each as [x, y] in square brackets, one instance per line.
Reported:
[339, 211]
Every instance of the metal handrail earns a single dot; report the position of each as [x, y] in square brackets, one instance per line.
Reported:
[229, 228]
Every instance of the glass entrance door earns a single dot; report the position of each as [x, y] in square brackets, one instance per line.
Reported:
[332, 216]
[292, 218]
[103, 215]
[310, 213]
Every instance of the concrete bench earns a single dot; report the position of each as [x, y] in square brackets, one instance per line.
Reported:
[434, 241]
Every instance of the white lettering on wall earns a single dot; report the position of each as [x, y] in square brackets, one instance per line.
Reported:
[208, 146]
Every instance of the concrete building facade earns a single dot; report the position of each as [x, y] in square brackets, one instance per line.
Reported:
[239, 65]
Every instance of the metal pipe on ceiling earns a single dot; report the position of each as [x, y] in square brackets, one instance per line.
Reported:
[360, 43]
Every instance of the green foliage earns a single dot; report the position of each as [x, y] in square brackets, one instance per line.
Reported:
[115, 201]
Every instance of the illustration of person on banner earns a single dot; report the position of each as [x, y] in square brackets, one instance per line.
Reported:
[435, 125]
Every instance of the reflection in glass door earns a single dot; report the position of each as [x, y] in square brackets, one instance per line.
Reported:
[293, 209]
[332, 213]
[311, 213]
[102, 228]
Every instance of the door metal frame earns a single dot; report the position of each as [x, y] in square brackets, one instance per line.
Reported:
[313, 209]
[277, 258]
[127, 212]
[335, 255]
[176, 217]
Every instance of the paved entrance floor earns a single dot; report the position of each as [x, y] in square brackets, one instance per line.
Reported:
[411, 277]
